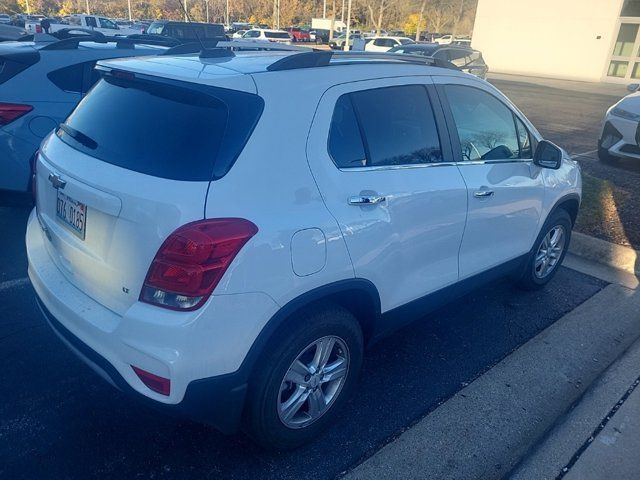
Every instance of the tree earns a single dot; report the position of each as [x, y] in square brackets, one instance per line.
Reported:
[376, 12]
[414, 25]
[440, 14]
[421, 24]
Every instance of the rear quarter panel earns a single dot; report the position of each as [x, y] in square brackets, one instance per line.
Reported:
[271, 185]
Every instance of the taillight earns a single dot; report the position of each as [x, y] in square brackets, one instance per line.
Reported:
[12, 111]
[192, 260]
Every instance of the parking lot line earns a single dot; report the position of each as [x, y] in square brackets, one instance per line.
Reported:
[584, 154]
[9, 284]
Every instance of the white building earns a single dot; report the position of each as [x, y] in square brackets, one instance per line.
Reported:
[595, 40]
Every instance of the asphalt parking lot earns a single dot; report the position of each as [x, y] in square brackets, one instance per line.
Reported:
[59, 420]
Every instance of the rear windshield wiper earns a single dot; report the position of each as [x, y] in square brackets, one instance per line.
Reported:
[79, 136]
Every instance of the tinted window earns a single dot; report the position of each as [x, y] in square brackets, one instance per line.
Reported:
[281, 35]
[68, 78]
[214, 31]
[441, 55]
[486, 127]
[459, 58]
[397, 124]
[172, 132]
[155, 28]
[91, 22]
[345, 142]
[106, 23]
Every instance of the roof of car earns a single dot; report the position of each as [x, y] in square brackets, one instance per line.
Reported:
[179, 22]
[269, 30]
[213, 71]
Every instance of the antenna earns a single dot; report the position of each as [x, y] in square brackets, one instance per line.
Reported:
[186, 14]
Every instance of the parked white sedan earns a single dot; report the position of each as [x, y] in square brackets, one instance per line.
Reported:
[384, 44]
[620, 134]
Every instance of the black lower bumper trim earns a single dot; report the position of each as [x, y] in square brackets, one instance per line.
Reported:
[217, 401]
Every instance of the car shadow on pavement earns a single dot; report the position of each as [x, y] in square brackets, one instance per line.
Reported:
[58, 419]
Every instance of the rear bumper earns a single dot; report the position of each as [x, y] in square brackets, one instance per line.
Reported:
[201, 352]
[217, 401]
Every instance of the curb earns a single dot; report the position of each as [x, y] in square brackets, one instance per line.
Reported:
[622, 258]
[489, 426]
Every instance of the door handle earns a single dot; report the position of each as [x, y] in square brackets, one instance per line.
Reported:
[366, 199]
[483, 193]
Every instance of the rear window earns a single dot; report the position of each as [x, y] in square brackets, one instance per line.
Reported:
[163, 130]
[276, 34]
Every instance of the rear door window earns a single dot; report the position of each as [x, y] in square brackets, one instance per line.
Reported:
[383, 127]
[163, 130]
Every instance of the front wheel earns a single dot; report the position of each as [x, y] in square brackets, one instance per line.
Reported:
[550, 248]
[304, 377]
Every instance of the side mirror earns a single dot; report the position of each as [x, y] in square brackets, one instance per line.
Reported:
[547, 155]
[633, 87]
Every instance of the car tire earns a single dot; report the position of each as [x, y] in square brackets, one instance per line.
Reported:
[548, 251]
[272, 398]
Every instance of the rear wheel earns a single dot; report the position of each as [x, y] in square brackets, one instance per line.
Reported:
[306, 374]
[549, 251]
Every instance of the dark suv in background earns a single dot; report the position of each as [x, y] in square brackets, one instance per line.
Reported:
[187, 31]
[465, 58]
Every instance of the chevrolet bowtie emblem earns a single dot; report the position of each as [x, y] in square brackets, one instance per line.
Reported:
[56, 181]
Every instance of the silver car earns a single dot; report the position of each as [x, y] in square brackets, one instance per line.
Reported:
[40, 84]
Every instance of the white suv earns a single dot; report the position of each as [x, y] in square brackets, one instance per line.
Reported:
[203, 258]
[265, 35]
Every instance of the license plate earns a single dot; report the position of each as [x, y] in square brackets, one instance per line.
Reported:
[72, 214]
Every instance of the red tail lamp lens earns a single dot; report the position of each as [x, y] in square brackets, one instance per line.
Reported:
[12, 111]
[192, 260]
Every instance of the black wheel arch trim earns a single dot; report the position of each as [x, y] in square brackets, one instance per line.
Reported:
[319, 294]
[558, 204]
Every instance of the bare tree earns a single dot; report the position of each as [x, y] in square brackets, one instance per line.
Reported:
[376, 11]
[440, 14]
[423, 5]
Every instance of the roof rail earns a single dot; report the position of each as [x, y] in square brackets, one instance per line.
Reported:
[321, 58]
[225, 48]
[261, 45]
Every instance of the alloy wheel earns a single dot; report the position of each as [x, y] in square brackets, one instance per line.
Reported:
[549, 252]
[313, 382]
